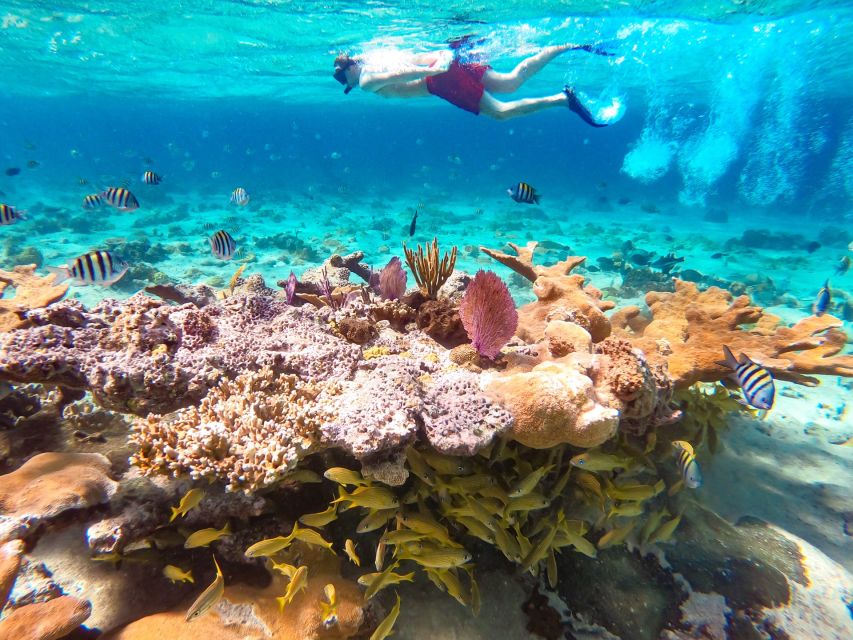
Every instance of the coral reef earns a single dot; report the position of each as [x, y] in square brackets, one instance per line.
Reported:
[688, 328]
[555, 403]
[429, 269]
[560, 294]
[142, 355]
[49, 484]
[488, 314]
[247, 432]
[31, 292]
[48, 620]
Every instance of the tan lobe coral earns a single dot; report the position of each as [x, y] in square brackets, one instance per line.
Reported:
[31, 292]
[560, 295]
[688, 329]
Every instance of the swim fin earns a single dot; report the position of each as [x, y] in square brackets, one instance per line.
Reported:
[578, 107]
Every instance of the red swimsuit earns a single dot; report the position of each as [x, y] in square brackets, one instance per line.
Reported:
[460, 85]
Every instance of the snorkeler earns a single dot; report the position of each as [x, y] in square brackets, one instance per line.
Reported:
[456, 76]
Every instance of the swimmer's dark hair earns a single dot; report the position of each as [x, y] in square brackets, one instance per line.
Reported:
[343, 62]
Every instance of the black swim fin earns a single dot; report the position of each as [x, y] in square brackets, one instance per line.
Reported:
[576, 106]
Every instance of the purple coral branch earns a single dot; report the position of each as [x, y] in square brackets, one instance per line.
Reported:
[488, 313]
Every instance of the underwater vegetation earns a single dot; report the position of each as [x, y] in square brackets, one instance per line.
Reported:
[297, 457]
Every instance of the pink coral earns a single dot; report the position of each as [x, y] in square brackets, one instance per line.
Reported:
[488, 313]
[392, 280]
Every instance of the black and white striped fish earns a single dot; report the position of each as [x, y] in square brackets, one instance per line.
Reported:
[149, 177]
[240, 197]
[93, 201]
[96, 267]
[120, 198]
[523, 192]
[222, 245]
[687, 464]
[10, 215]
[755, 381]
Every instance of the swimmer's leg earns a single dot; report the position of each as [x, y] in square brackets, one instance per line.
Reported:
[504, 110]
[496, 82]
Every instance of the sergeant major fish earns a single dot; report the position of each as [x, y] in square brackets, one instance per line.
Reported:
[240, 197]
[120, 198]
[149, 177]
[10, 215]
[524, 193]
[755, 381]
[93, 201]
[686, 458]
[222, 245]
[96, 267]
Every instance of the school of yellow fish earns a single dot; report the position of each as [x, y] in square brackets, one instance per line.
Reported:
[529, 504]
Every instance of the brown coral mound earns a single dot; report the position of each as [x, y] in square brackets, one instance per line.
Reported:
[561, 295]
[555, 403]
[440, 320]
[356, 330]
[248, 432]
[49, 484]
[31, 292]
[49, 620]
[688, 329]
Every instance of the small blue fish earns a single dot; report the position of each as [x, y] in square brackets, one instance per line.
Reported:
[240, 197]
[10, 215]
[93, 201]
[755, 381]
[222, 245]
[523, 192]
[687, 464]
[149, 177]
[823, 300]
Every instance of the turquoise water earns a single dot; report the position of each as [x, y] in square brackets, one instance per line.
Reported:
[738, 129]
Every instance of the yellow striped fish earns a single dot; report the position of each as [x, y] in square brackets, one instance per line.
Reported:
[149, 177]
[222, 245]
[755, 381]
[240, 197]
[523, 192]
[10, 215]
[101, 268]
[120, 198]
[687, 464]
[93, 201]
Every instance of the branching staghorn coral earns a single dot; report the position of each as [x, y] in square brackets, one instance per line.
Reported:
[248, 432]
[430, 272]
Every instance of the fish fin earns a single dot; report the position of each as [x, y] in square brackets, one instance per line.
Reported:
[227, 527]
[60, 274]
[536, 198]
[216, 564]
[22, 214]
[175, 513]
[730, 361]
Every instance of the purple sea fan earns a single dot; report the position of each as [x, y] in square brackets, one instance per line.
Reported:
[488, 313]
[392, 280]
[290, 288]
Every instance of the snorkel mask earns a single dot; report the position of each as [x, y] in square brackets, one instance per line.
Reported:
[341, 66]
